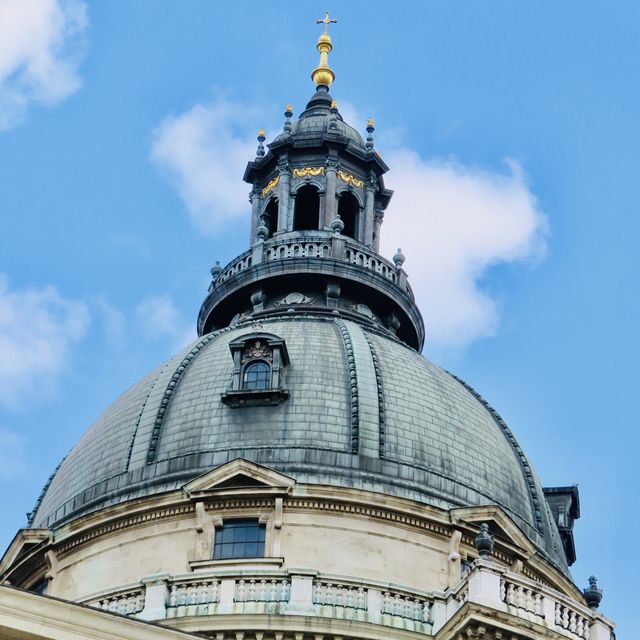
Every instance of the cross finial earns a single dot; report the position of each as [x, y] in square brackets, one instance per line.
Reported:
[326, 21]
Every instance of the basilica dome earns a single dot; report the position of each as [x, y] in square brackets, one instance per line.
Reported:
[421, 433]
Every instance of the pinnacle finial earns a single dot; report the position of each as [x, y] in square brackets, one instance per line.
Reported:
[323, 75]
[288, 112]
[398, 259]
[484, 541]
[593, 594]
[261, 139]
[370, 129]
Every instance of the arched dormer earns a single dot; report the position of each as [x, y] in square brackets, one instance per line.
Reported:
[257, 379]
[349, 210]
[306, 212]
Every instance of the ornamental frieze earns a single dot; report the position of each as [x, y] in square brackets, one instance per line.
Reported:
[272, 184]
[308, 171]
[350, 179]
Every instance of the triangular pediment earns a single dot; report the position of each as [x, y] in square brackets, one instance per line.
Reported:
[239, 476]
[501, 526]
[23, 542]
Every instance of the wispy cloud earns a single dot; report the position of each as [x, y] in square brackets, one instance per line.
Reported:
[42, 43]
[38, 326]
[452, 220]
[12, 454]
[204, 152]
[453, 223]
[160, 318]
[113, 320]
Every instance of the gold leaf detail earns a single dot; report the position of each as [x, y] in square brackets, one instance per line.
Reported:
[308, 171]
[350, 179]
[270, 185]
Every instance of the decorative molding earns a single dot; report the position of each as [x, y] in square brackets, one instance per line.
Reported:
[524, 463]
[124, 523]
[272, 184]
[353, 382]
[307, 172]
[350, 179]
[32, 514]
[169, 391]
[140, 414]
[368, 511]
[294, 298]
[380, 389]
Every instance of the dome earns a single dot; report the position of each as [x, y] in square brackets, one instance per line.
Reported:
[318, 119]
[424, 435]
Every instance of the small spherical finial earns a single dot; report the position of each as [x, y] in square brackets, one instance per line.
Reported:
[216, 270]
[484, 541]
[593, 594]
[337, 225]
[399, 258]
[334, 105]
[289, 110]
[370, 123]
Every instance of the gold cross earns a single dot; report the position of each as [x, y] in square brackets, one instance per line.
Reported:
[326, 22]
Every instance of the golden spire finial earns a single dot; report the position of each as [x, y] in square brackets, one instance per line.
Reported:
[323, 74]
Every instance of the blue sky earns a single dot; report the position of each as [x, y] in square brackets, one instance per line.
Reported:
[511, 131]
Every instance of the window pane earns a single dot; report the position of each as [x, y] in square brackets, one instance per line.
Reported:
[257, 375]
[242, 538]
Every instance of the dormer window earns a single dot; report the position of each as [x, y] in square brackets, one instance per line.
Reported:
[258, 377]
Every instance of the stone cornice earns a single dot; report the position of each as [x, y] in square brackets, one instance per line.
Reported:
[353, 502]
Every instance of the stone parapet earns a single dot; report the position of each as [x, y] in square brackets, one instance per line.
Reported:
[303, 592]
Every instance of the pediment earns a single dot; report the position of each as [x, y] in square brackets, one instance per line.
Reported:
[239, 476]
[23, 542]
[501, 526]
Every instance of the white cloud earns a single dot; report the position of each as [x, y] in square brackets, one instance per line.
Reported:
[113, 321]
[205, 151]
[37, 329]
[452, 221]
[41, 46]
[12, 454]
[159, 317]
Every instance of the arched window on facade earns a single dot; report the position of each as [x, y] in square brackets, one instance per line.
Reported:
[348, 210]
[271, 216]
[307, 209]
[256, 375]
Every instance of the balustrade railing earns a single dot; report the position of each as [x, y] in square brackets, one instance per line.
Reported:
[326, 246]
[520, 596]
[410, 607]
[282, 592]
[194, 592]
[572, 621]
[262, 590]
[127, 602]
[339, 595]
